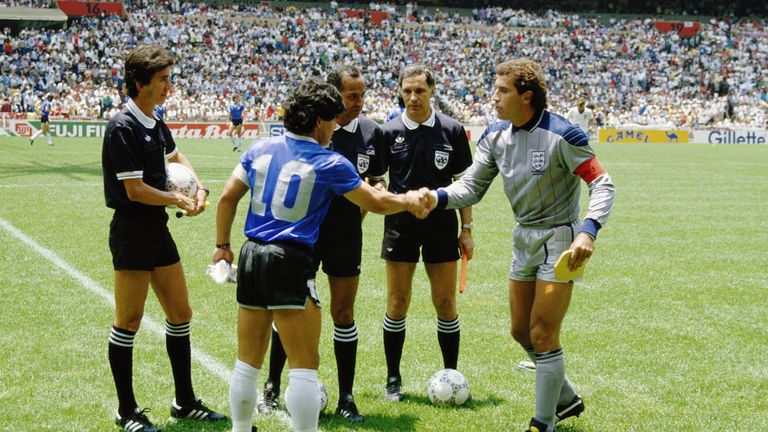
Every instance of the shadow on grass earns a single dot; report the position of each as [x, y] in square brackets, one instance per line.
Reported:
[373, 422]
[196, 426]
[471, 405]
[35, 168]
[571, 428]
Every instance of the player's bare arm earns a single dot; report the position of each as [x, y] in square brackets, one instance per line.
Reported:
[226, 209]
[583, 246]
[382, 202]
[141, 192]
[466, 243]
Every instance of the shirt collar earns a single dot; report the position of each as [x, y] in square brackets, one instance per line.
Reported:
[298, 137]
[532, 123]
[148, 122]
[350, 127]
[410, 124]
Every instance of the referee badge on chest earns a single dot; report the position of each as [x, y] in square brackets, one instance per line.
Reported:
[363, 162]
[441, 159]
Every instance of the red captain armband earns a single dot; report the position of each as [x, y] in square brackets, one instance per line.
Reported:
[590, 170]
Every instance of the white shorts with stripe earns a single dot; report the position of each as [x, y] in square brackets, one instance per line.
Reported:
[535, 250]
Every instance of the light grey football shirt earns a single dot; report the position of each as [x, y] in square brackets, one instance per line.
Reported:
[537, 163]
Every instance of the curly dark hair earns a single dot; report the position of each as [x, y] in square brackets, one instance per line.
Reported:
[526, 75]
[141, 65]
[312, 100]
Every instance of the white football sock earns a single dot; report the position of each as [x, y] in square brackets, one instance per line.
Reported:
[303, 399]
[243, 395]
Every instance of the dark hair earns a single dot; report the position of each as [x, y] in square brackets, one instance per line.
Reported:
[416, 70]
[312, 100]
[526, 75]
[141, 65]
[337, 74]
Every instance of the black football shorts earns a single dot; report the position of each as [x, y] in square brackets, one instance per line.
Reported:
[436, 237]
[278, 275]
[141, 242]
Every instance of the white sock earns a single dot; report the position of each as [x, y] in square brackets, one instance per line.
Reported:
[303, 399]
[567, 392]
[243, 395]
[49, 138]
[550, 372]
[37, 134]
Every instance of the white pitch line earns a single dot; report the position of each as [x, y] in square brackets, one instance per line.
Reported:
[214, 366]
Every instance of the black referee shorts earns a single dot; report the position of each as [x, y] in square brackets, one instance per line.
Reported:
[436, 236]
[141, 241]
[278, 275]
[339, 247]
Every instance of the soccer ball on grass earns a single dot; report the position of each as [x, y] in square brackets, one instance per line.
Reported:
[323, 396]
[448, 387]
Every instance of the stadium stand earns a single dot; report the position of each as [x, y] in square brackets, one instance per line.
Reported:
[631, 69]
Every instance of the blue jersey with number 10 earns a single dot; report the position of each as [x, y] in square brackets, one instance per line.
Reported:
[292, 183]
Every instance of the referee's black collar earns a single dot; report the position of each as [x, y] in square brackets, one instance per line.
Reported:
[532, 123]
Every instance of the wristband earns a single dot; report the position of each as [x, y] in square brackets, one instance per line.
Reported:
[223, 246]
[467, 226]
[207, 191]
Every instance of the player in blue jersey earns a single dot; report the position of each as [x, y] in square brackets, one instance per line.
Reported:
[136, 147]
[45, 127]
[292, 181]
[542, 159]
[236, 123]
[339, 246]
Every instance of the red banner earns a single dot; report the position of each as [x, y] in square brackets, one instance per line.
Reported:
[683, 28]
[376, 16]
[90, 8]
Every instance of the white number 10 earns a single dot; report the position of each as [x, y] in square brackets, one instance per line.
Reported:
[291, 173]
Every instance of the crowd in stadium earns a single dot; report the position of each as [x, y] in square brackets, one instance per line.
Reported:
[628, 70]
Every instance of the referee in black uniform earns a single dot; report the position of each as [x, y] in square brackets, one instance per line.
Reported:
[136, 146]
[339, 245]
[423, 148]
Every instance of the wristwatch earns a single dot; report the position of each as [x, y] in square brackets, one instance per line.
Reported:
[467, 226]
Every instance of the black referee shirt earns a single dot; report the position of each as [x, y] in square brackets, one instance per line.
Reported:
[359, 142]
[428, 156]
[133, 149]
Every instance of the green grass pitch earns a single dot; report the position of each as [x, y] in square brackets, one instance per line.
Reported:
[668, 331]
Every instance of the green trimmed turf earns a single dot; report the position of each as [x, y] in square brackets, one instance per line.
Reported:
[667, 332]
